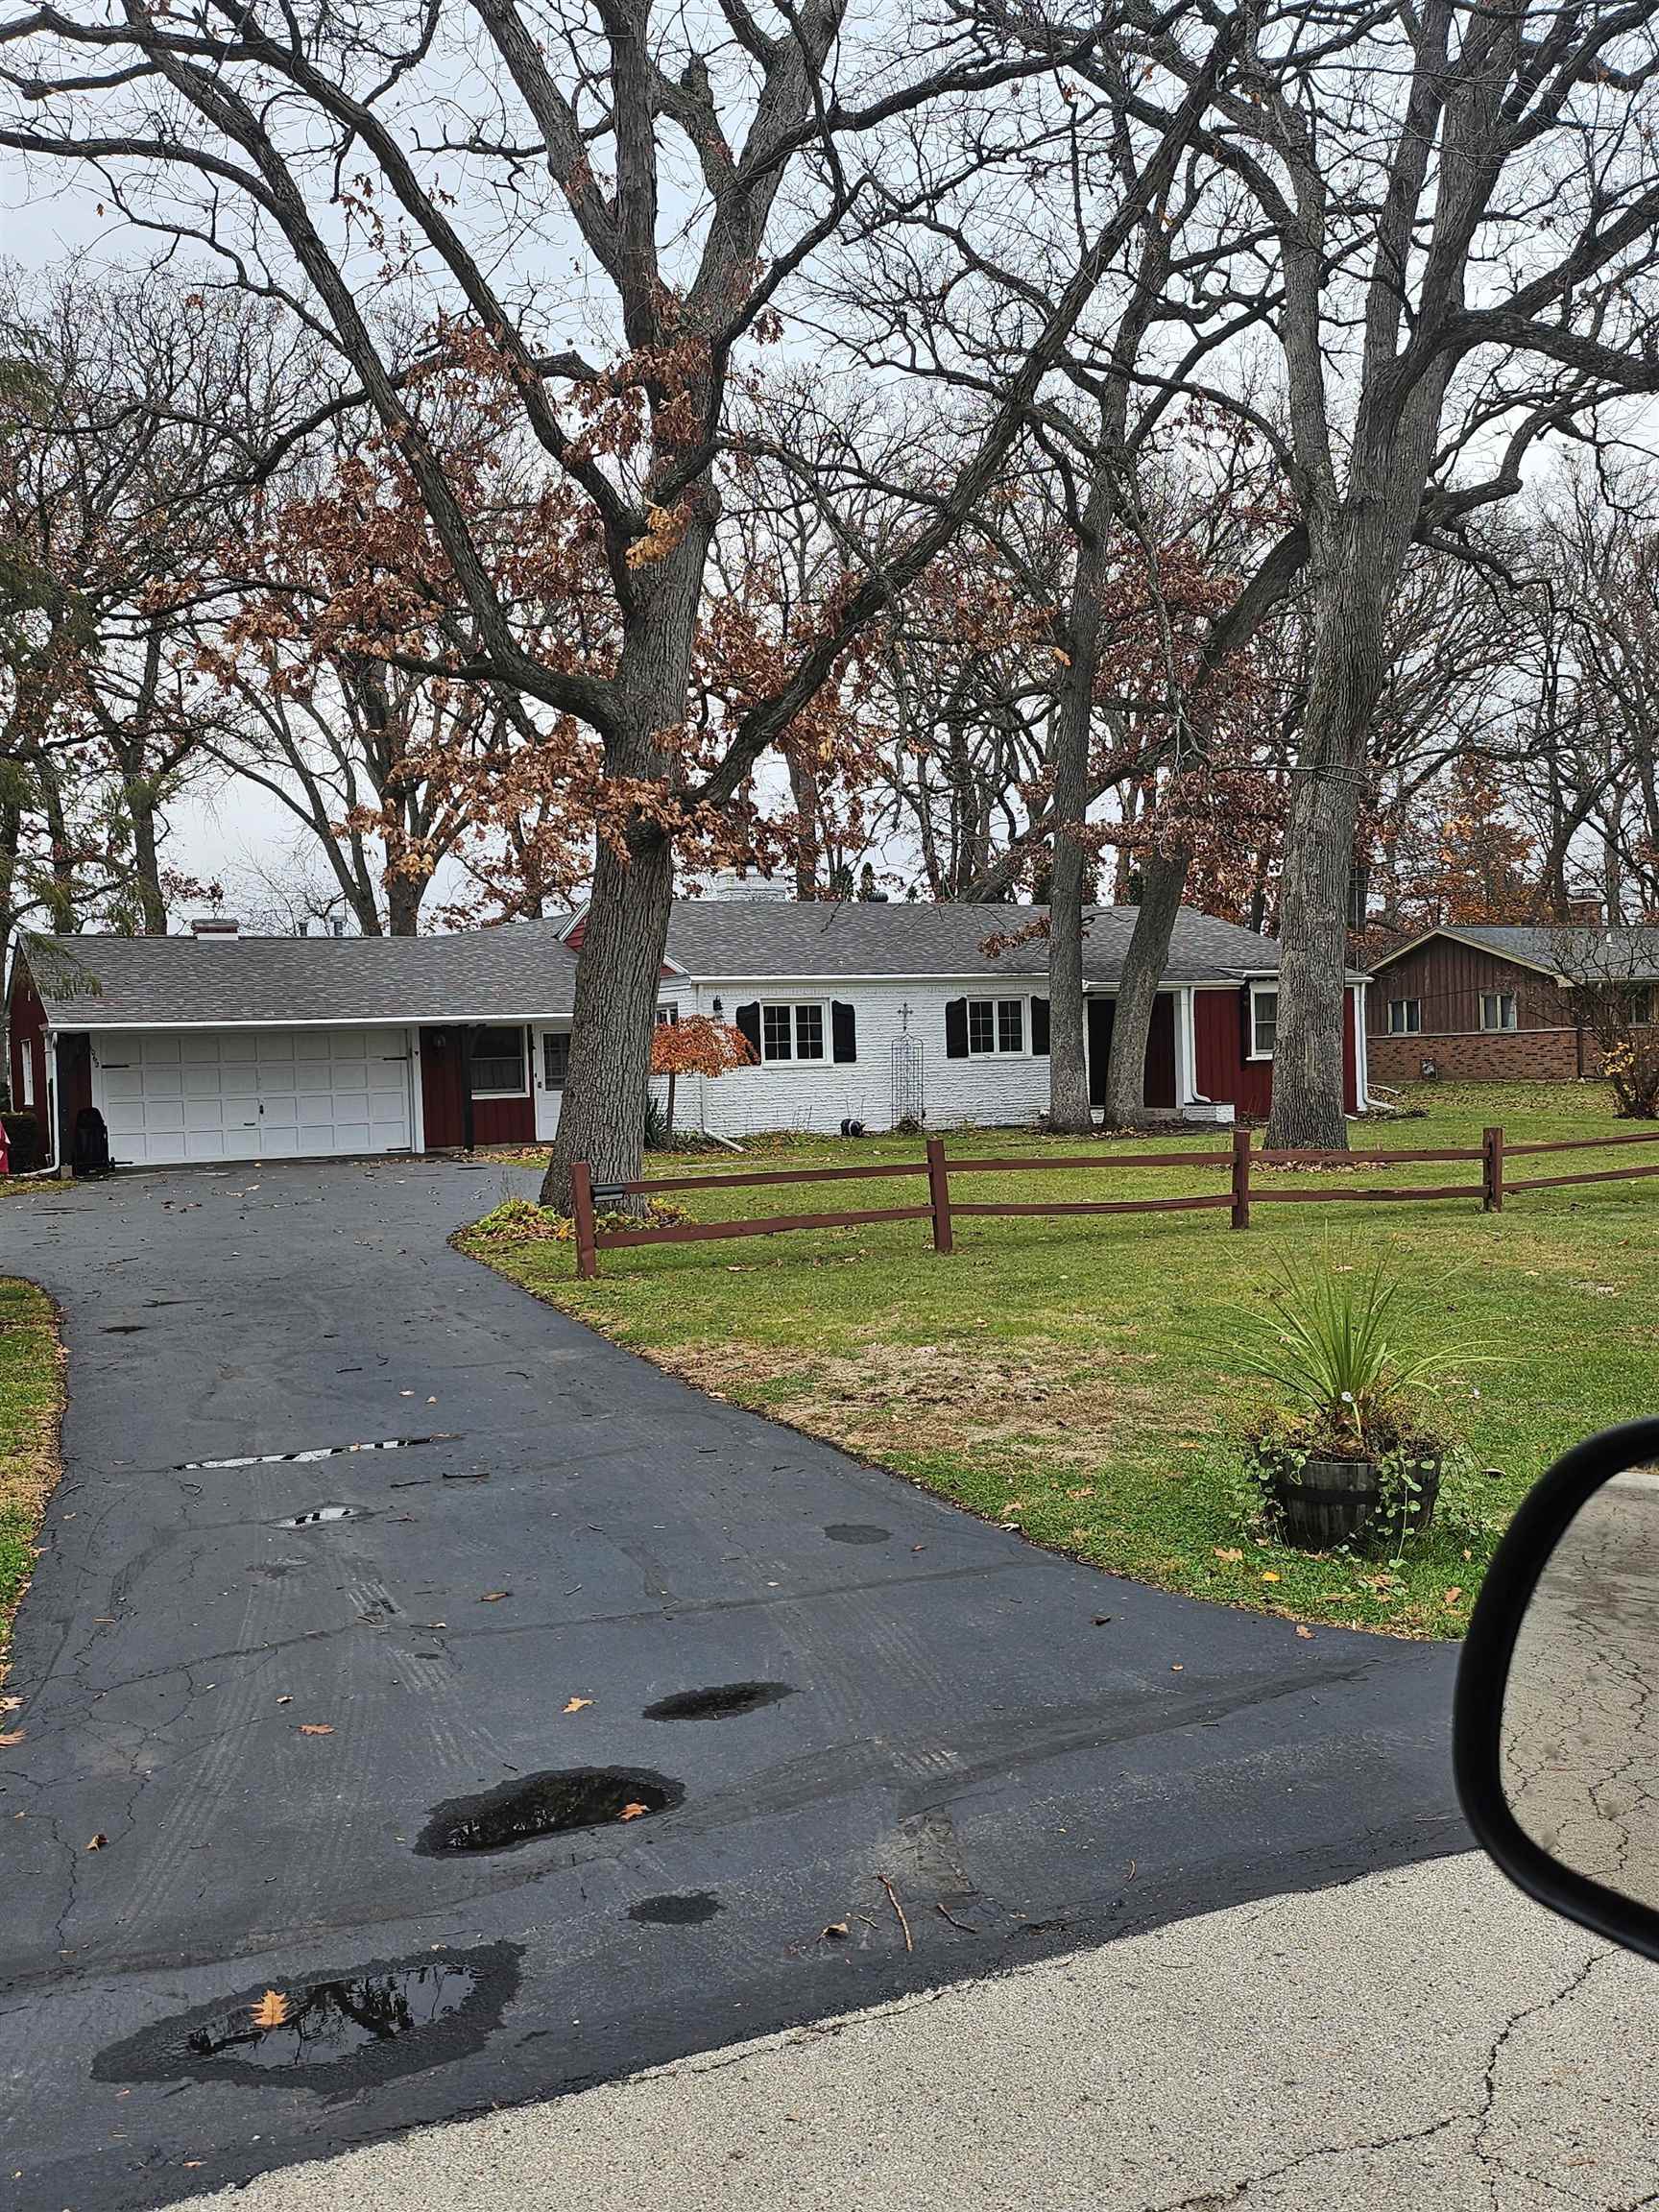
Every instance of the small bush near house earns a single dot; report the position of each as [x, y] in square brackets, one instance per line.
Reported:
[1632, 1068]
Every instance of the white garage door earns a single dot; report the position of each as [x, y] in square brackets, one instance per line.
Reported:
[252, 1093]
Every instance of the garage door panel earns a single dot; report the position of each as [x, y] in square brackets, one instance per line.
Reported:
[248, 1094]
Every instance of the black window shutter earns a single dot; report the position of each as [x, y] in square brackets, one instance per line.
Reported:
[1247, 1024]
[957, 1029]
[1040, 1027]
[747, 1021]
[844, 1029]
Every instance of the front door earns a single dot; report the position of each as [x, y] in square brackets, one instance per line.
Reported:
[1158, 1083]
[552, 1046]
[445, 1087]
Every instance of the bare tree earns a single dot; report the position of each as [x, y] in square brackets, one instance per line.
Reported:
[454, 152]
[129, 419]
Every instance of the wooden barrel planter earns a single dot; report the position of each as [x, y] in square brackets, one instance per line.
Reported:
[1326, 1503]
[1334, 1502]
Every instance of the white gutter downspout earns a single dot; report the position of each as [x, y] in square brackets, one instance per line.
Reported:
[1186, 1050]
[1361, 1051]
[49, 1038]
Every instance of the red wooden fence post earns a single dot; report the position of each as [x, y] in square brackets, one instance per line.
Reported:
[1240, 1178]
[1492, 1170]
[581, 1206]
[939, 1194]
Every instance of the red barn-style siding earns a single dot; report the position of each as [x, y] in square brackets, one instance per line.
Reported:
[27, 1026]
[1220, 1066]
[504, 1122]
[444, 1100]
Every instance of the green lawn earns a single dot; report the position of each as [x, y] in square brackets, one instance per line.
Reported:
[31, 1404]
[1081, 1379]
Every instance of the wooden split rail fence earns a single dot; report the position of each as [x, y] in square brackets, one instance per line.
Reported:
[942, 1208]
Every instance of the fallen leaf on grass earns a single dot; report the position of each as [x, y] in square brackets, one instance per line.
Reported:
[1229, 1552]
[271, 2011]
[577, 1704]
[1453, 1594]
[493, 1597]
[98, 1841]
[1270, 1576]
[316, 1728]
[633, 1812]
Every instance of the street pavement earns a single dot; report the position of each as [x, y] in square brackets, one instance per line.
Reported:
[1424, 2040]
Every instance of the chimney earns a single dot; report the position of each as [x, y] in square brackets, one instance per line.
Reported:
[1584, 913]
[205, 925]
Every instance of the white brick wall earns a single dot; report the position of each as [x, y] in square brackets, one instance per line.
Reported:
[819, 1094]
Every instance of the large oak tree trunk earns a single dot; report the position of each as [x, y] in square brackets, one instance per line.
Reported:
[1346, 678]
[1145, 963]
[625, 935]
[618, 976]
[1071, 873]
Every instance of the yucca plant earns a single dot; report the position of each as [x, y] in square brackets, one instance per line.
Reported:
[1331, 1340]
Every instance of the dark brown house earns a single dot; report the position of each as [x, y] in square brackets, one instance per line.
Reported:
[1501, 1003]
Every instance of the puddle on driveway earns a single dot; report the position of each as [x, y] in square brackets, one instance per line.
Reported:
[553, 1804]
[365, 2026]
[684, 1911]
[723, 1703]
[857, 1532]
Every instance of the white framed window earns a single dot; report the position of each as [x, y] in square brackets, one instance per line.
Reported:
[28, 1098]
[499, 1068]
[996, 1025]
[556, 1058]
[1263, 1021]
[1498, 1010]
[790, 1032]
[1405, 1017]
[667, 1013]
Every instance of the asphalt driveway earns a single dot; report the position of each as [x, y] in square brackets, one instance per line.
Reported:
[279, 1724]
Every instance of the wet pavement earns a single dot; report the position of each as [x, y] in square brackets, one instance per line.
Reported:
[263, 1703]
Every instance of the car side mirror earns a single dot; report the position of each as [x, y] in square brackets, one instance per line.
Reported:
[1555, 1721]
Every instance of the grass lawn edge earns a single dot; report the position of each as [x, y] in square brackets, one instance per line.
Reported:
[939, 1488]
[32, 1395]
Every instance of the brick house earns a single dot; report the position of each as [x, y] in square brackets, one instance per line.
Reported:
[1499, 1003]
